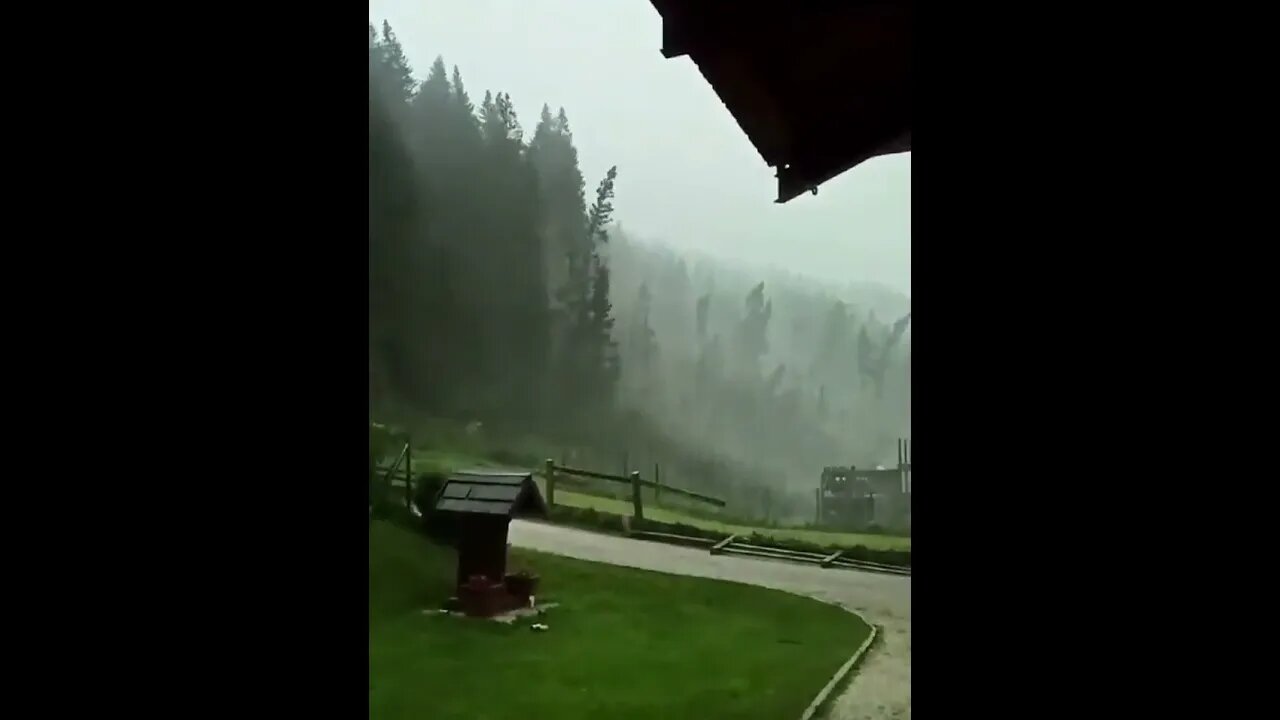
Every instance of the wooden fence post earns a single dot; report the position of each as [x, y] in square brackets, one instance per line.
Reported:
[902, 470]
[657, 483]
[904, 464]
[408, 477]
[906, 456]
[551, 481]
[817, 504]
[638, 511]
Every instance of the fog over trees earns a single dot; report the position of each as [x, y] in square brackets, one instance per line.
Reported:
[502, 289]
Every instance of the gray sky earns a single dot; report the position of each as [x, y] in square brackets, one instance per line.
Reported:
[687, 174]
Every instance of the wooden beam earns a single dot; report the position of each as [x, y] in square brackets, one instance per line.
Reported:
[644, 483]
[549, 470]
[715, 549]
[636, 506]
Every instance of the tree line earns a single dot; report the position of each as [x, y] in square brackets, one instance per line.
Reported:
[489, 296]
[500, 291]
[779, 376]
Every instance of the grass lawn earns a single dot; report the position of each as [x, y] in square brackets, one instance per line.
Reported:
[624, 643]
[446, 461]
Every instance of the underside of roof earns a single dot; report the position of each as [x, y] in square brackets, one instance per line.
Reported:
[818, 87]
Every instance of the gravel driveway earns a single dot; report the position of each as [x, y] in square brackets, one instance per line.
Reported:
[881, 687]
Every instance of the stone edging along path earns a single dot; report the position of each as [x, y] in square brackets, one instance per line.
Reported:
[844, 670]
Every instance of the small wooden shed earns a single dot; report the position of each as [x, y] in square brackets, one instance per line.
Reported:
[481, 504]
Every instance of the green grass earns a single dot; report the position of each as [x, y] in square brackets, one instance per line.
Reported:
[624, 643]
[448, 461]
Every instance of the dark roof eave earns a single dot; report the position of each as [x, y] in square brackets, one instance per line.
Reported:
[797, 179]
[751, 56]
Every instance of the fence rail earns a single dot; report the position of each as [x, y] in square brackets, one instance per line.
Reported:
[400, 474]
[820, 559]
[551, 470]
[401, 466]
[730, 546]
[657, 486]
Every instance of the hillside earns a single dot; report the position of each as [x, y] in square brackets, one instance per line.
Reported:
[782, 373]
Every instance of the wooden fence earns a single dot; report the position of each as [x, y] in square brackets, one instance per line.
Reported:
[402, 464]
[551, 471]
[400, 472]
[402, 468]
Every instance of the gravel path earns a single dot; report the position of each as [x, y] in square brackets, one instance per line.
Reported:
[881, 686]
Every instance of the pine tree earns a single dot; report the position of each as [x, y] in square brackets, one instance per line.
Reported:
[601, 211]
[701, 313]
[643, 337]
[491, 125]
[504, 249]
[603, 350]
[544, 134]
[397, 341]
[434, 141]
[866, 354]
[589, 363]
[833, 345]
[400, 80]
[460, 97]
[464, 132]
[435, 89]
[562, 192]
[753, 340]
[510, 120]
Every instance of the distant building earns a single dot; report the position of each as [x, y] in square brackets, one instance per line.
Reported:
[853, 499]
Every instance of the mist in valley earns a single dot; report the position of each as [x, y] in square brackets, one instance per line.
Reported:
[775, 371]
[611, 287]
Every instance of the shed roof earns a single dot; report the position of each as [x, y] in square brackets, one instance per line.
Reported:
[817, 87]
[491, 492]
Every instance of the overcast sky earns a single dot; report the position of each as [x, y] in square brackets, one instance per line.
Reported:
[687, 174]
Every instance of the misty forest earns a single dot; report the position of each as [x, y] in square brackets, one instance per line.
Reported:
[504, 291]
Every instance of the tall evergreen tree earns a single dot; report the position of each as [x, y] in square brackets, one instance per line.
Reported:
[753, 337]
[562, 190]
[399, 74]
[701, 314]
[435, 90]
[460, 96]
[589, 360]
